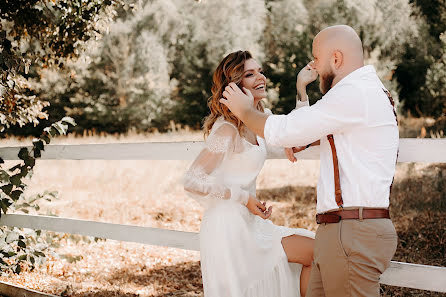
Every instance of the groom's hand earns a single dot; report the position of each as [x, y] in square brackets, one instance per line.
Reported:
[290, 151]
[236, 100]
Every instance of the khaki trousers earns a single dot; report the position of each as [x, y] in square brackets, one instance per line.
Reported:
[350, 256]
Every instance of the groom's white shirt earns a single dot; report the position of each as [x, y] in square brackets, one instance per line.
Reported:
[359, 115]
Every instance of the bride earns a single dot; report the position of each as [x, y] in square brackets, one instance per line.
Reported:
[243, 254]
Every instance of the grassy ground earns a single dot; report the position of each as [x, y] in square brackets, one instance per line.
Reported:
[149, 193]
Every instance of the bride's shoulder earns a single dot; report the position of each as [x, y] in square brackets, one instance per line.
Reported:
[222, 137]
[222, 126]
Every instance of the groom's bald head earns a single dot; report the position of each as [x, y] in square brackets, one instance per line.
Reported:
[337, 51]
[342, 38]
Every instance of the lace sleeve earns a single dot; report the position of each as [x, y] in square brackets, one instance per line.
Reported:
[203, 180]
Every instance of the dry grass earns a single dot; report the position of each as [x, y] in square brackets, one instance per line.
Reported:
[149, 193]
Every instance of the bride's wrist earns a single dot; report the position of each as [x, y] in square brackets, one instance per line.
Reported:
[301, 95]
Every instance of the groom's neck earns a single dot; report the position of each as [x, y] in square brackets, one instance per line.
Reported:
[346, 71]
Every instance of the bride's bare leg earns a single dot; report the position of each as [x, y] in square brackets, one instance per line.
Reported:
[299, 249]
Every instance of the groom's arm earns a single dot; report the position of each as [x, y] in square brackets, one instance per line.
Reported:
[275, 129]
[341, 109]
[255, 121]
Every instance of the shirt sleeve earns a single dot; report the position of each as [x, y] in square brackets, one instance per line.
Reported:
[271, 149]
[339, 110]
[202, 179]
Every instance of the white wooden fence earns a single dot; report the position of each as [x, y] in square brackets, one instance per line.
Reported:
[398, 274]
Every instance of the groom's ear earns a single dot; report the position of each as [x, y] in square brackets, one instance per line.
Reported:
[338, 59]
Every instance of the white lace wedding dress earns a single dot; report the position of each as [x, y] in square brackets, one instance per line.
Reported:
[241, 253]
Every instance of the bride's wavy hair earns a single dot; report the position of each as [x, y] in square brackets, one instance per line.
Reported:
[230, 69]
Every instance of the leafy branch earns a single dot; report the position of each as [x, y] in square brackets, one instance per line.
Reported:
[20, 248]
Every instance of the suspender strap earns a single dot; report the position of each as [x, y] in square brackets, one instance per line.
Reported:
[392, 103]
[396, 118]
[338, 192]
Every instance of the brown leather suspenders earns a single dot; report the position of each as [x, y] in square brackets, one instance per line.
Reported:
[337, 182]
[396, 118]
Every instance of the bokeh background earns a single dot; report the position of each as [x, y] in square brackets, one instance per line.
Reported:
[137, 65]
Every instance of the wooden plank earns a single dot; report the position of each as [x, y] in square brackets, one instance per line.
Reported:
[145, 235]
[11, 290]
[415, 276]
[115, 151]
[398, 274]
[422, 150]
[411, 150]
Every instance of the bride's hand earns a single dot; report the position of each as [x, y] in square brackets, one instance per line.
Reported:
[258, 208]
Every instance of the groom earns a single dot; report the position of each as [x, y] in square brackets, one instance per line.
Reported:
[356, 124]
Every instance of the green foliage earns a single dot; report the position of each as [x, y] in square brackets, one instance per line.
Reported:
[20, 248]
[127, 82]
[418, 69]
[37, 34]
[436, 84]
[435, 13]
[288, 49]
[215, 28]
[154, 62]
[23, 248]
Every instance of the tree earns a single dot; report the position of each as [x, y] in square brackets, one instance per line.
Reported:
[383, 35]
[36, 34]
[126, 84]
[155, 63]
[435, 13]
[20, 248]
[288, 49]
[215, 28]
[436, 84]
[418, 58]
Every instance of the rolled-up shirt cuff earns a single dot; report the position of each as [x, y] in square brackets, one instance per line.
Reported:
[300, 104]
[269, 133]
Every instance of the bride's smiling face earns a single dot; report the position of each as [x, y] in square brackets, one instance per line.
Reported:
[254, 80]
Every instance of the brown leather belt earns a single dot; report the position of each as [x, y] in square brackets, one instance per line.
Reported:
[352, 214]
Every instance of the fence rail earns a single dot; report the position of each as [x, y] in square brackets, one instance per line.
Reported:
[411, 150]
[398, 274]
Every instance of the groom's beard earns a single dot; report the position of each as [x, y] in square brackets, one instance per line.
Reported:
[326, 82]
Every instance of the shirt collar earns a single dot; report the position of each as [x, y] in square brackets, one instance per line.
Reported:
[356, 74]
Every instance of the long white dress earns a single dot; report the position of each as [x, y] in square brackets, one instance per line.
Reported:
[241, 254]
